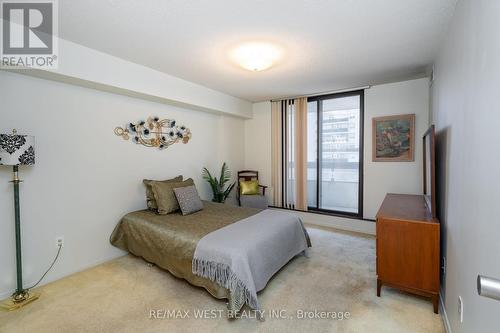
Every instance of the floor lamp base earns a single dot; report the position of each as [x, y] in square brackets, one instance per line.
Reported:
[18, 301]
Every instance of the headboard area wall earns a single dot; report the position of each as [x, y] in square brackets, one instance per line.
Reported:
[86, 177]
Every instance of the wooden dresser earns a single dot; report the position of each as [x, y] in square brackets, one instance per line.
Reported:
[408, 246]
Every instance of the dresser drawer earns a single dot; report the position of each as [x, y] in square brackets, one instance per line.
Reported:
[408, 254]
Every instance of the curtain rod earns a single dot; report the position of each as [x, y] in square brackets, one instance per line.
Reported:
[321, 93]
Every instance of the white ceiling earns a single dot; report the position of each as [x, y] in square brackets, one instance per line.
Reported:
[328, 45]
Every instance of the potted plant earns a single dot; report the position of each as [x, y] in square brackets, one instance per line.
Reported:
[219, 189]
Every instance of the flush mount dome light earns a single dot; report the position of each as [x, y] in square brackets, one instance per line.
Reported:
[256, 56]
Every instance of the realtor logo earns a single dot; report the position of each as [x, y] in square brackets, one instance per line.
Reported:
[29, 34]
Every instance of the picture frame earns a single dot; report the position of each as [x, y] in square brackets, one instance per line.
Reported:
[393, 138]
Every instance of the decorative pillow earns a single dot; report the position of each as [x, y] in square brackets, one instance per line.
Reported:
[165, 197]
[150, 197]
[188, 199]
[250, 187]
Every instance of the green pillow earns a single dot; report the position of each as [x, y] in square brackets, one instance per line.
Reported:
[150, 197]
[250, 187]
[165, 196]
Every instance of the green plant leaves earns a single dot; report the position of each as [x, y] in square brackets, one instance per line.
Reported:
[217, 185]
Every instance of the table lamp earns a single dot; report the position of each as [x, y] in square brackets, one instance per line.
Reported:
[16, 150]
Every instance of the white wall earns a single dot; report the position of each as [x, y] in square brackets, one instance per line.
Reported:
[87, 67]
[465, 111]
[231, 146]
[394, 177]
[379, 177]
[85, 177]
[258, 144]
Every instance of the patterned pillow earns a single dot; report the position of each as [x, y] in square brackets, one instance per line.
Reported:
[150, 197]
[188, 199]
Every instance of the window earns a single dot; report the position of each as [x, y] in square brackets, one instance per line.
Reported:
[335, 153]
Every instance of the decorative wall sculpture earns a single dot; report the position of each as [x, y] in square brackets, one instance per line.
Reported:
[155, 132]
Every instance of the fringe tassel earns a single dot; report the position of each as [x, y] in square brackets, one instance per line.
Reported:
[225, 277]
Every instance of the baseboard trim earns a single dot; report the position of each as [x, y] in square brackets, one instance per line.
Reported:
[58, 276]
[337, 222]
[444, 316]
[5, 295]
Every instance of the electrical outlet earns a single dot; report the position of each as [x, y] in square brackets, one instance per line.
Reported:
[60, 241]
[460, 309]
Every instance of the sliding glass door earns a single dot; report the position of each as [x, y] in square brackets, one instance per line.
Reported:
[335, 153]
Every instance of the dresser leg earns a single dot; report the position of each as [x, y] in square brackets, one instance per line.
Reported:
[379, 286]
[435, 303]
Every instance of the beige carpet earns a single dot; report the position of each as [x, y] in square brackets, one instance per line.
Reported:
[338, 276]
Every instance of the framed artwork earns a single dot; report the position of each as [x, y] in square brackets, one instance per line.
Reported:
[393, 138]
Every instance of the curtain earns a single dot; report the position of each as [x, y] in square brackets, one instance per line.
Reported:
[289, 153]
[277, 153]
[300, 132]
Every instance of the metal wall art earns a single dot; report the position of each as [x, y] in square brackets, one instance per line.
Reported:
[155, 132]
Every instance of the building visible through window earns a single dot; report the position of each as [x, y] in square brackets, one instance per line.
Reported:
[334, 171]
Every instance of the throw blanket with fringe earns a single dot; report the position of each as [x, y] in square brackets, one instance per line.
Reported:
[243, 256]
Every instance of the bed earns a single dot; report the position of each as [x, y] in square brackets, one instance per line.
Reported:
[171, 241]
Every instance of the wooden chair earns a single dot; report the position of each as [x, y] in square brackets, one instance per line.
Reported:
[255, 201]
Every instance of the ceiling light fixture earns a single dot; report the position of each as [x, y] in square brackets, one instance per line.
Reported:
[256, 56]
